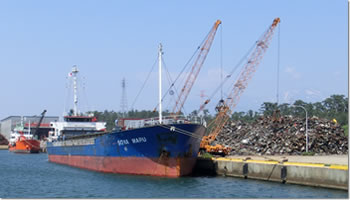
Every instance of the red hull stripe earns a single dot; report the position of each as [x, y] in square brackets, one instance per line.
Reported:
[168, 167]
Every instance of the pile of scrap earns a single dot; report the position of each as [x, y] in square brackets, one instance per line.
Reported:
[3, 140]
[268, 136]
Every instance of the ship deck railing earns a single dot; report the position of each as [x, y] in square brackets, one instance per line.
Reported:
[173, 119]
[154, 121]
[147, 122]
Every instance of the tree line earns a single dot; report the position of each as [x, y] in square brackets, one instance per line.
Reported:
[333, 107]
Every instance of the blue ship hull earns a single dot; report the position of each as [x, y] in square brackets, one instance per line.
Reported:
[162, 150]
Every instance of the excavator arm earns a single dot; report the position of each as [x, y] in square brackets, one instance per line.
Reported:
[38, 125]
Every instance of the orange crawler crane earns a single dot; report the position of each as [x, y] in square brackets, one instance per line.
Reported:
[225, 107]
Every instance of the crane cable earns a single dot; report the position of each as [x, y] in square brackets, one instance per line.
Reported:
[278, 64]
[144, 83]
[221, 61]
[170, 83]
[228, 76]
[183, 69]
[232, 72]
[173, 84]
[261, 46]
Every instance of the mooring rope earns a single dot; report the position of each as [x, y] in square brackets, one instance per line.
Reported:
[179, 130]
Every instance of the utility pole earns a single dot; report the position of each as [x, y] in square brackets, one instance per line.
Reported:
[306, 127]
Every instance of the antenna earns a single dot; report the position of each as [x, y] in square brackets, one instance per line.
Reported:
[75, 88]
[124, 103]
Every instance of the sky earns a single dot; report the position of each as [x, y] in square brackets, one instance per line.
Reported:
[41, 40]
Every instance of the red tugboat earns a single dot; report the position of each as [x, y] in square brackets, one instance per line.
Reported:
[25, 145]
[22, 141]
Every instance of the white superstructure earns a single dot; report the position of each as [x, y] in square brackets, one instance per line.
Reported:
[75, 124]
[20, 131]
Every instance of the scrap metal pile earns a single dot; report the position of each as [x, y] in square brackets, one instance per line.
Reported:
[3, 140]
[267, 136]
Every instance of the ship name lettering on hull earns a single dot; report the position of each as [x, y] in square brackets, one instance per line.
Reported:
[133, 140]
[138, 140]
[122, 142]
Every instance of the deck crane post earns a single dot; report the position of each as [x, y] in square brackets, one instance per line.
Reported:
[240, 85]
[38, 125]
[204, 50]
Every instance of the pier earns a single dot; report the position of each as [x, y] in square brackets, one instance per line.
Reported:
[4, 147]
[320, 171]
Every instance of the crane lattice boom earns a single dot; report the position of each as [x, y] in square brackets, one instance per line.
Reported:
[195, 69]
[242, 82]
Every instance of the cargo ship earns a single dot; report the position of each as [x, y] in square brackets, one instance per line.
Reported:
[158, 150]
[163, 146]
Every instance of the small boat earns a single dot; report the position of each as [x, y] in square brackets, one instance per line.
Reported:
[22, 141]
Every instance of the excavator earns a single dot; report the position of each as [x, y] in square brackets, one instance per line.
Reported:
[217, 149]
[35, 134]
[224, 108]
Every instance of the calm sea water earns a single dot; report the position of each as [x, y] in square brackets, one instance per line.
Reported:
[32, 176]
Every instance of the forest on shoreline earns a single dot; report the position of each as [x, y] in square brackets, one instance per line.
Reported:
[334, 107]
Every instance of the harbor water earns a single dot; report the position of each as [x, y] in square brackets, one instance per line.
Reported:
[33, 176]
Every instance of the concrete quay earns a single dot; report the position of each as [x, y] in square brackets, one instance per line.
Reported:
[4, 147]
[320, 171]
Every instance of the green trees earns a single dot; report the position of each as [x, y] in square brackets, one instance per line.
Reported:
[267, 108]
[248, 116]
[111, 116]
[333, 107]
[336, 106]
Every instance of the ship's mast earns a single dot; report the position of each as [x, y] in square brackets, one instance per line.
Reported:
[74, 74]
[160, 82]
[29, 127]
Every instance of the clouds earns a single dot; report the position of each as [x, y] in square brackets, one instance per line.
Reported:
[313, 95]
[293, 73]
[309, 94]
[290, 96]
[312, 92]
